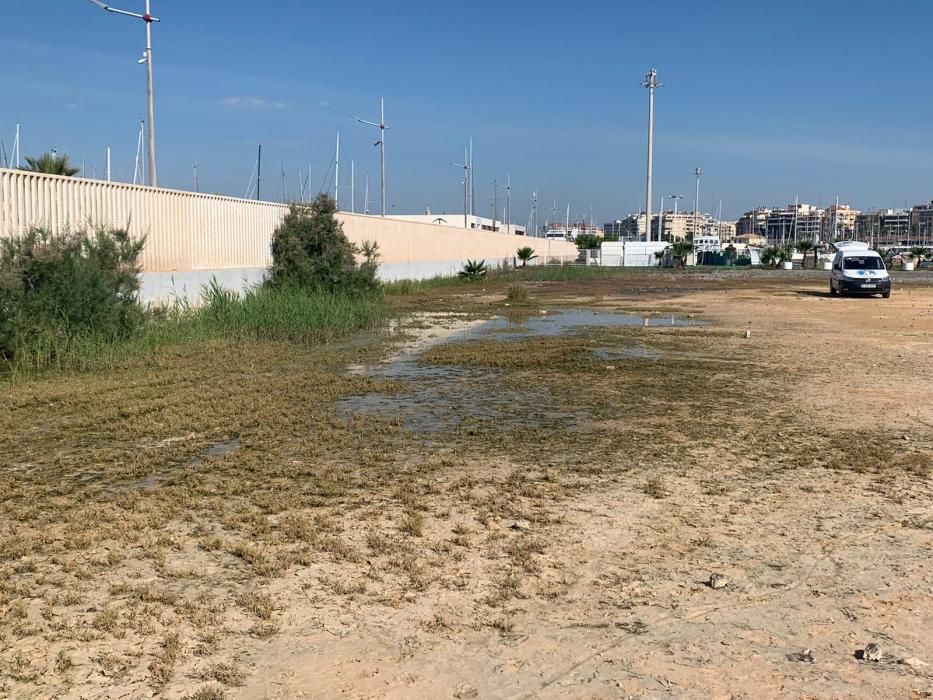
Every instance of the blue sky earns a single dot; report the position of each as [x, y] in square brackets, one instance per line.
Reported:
[771, 99]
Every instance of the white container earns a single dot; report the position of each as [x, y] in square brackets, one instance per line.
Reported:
[827, 264]
[908, 266]
[787, 265]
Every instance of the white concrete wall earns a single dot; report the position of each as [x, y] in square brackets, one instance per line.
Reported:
[192, 238]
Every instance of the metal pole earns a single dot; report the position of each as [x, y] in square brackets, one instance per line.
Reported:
[382, 150]
[472, 181]
[495, 204]
[696, 205]
[337, 174]
[108, 163]
[508, 205]
[661, 220]
[153, 177]
[353, 187]
[651, 82]
[258, 171]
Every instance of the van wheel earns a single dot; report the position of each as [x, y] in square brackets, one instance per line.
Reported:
[886, 295]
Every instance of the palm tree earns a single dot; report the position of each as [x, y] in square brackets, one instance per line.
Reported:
[51, 164]
[680, 250]
[526, 254]
[769, 256]
[660, 255]
[918, 252]
[805, 247]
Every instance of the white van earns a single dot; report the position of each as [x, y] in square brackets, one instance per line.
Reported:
[858, 270]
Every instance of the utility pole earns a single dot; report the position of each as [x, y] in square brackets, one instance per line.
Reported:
[534, 213]
[508, 204]
[675, 197]
[337, 174]
[661, 220]
[353, 187]
[466, 185]
[147, 59]
[194, 167]
[382, 146]
[472, 181]
[696, 204]
[651, 82]
[495, 204]
[108, 164]
[258, 171]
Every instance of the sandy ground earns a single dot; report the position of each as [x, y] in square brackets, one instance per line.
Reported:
[553, 534]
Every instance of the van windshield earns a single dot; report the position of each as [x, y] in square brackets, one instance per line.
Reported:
[869, 262]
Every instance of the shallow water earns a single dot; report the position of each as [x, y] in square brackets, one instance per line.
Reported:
[443, 398]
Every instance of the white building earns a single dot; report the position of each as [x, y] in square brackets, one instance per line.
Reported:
[479, 223]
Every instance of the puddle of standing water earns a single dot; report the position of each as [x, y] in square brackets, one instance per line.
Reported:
[446, 397]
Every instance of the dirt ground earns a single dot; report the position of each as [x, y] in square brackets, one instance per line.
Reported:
[732, 506]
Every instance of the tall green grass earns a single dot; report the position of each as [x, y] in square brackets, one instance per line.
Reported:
[263, 313]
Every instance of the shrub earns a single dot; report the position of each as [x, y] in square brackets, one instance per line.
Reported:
[473, 270]
[311, 251]
[58, 288]
[518, 294]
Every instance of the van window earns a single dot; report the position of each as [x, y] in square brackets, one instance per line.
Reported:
[869, 262]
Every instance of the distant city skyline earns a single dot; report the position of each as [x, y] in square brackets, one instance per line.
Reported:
[774, 101]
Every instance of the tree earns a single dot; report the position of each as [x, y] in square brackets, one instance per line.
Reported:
[918, 252]
[805, 247]
[659, 255]
[731, 253]
[310, 250]
[587, 241]
[769, 256]
[51, 164]
[526, 254]
[680, 250]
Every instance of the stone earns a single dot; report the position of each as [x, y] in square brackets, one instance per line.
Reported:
[913, 662]
[465, 691]
[520, 525]
[872, 652]
[805, 656]
[717, 581]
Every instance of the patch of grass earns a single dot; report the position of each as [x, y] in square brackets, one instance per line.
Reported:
[656, 487]
[209, 692]
[257, 603]
[225, 673]
[518, 294]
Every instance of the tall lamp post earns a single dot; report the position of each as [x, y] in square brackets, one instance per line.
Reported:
[147, 59]
[651, 82]
[696, 204]
[675, 197]
[508, 202]
[466, 185]
[382, 146]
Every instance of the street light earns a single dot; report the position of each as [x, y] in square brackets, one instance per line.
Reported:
[466, 185]
[147, 59]
[382, 145]
[508, 206]
[675, 197]
[651, 82]
[696, 204]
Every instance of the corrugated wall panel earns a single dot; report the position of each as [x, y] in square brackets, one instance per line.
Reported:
[188, 231]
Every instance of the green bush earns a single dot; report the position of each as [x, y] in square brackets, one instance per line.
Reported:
[311, 251]
[58, 289]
